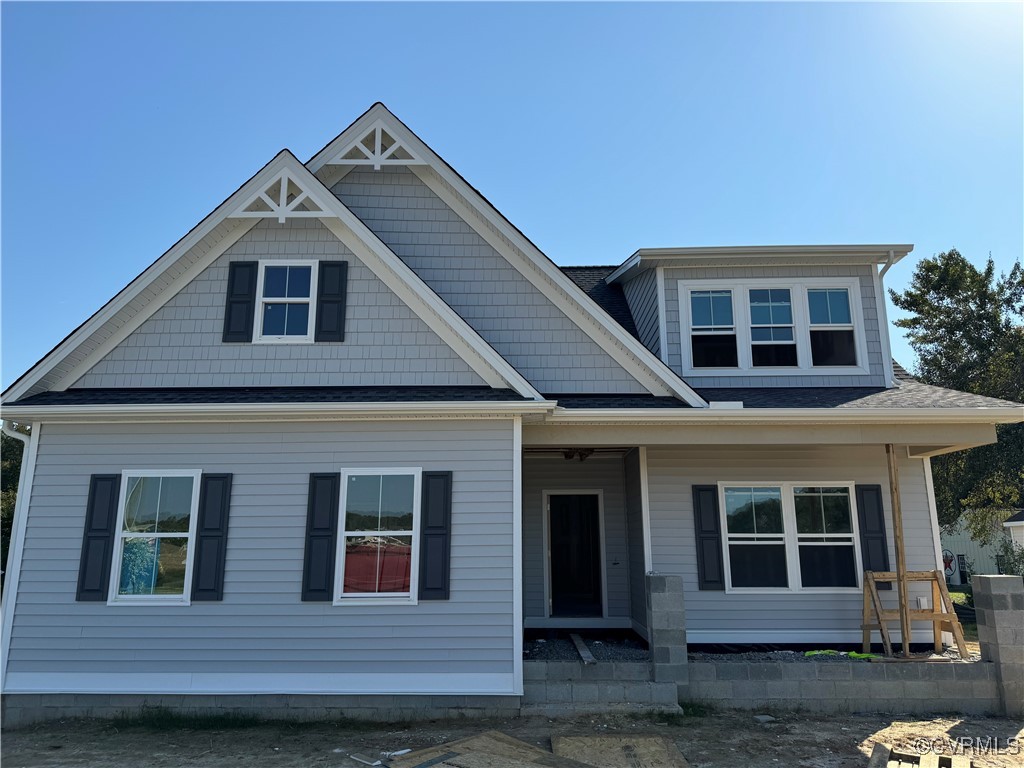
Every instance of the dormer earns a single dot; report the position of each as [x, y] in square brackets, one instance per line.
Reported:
[755, 316]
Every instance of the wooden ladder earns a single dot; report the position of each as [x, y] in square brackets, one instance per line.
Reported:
[941, 614]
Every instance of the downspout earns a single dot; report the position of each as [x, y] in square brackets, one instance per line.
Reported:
[889, 261]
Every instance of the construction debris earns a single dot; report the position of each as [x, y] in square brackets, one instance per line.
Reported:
[626, 751]
[492, 749]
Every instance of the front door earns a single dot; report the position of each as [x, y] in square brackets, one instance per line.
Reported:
[575, 554]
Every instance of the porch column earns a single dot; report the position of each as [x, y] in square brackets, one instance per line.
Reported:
[999, 601]
[666, 623]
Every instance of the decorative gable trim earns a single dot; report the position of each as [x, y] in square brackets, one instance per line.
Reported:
[537, 268]
[125, 312]
[281, 198]
[377, 146]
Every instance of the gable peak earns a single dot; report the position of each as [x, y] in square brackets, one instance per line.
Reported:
[378, 146]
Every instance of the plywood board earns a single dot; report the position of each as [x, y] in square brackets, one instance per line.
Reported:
[625, 751]
[491, 749]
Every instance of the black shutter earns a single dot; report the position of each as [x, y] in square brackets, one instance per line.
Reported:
[435, 535]
[240, 306]
[874, 546]
[710, 571]
[98, 539]
[331, 287]
[321, 537]
[211, 537]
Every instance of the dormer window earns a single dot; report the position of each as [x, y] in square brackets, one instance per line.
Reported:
[832, 334]
[772, 326]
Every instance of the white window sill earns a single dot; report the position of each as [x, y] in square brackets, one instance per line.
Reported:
[852, 370]
[354, 601]
[793, 591]
[150, 601]
[284, 340]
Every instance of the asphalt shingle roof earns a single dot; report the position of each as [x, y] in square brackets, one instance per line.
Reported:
[609, 297]
[268, 395]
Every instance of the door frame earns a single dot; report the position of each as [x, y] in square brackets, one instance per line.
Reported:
[545, 508]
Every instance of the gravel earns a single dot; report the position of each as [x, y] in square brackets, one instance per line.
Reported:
[604, 649]
[787, 656]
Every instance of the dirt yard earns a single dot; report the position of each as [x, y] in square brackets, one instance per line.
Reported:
[706, 739]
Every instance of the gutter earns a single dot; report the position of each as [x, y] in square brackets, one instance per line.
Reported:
[718, 415]
[274, 411]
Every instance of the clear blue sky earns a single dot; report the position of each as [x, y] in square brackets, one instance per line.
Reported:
[597, 129]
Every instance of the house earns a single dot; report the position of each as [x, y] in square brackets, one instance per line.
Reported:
[1014, 526]
[963, 556]
[354, 433]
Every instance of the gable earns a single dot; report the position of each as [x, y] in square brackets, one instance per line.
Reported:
[300, 196]
[507, 310]
[386, 343]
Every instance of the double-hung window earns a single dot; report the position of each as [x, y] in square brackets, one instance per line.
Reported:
[831, 327]
[156, 523]
[378, 535]
[790, 536]
[772, 341]
[713, 338]
[772, 326]
[285, 298]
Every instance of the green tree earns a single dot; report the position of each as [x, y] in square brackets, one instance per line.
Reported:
[967, 327]
[10, 472]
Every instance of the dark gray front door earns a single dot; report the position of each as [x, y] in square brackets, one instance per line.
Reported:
[575, 542]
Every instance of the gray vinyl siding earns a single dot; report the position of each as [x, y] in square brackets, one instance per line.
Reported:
[635, 537]
[262, 626]
[606, 475]
[386, 344]
[642, 296]
[872, 331]
[528, 330]
[672, 472]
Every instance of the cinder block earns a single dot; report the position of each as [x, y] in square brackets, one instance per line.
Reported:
[631, 670]
[670, 673]
[586, 693]
[534, 670]
[611, 693]
[923, 689]
[664, 694]
[973, 671]
[799, 671]
[732, 671]
[558, 693]
[534, 693]
[637, 693]
[817, 689]
[750, 689]
[834, 671]
[782, 689]
[766, 670]
[712, 690]
[702, 671]
[867, 671]
[564, 670]
[902, 671]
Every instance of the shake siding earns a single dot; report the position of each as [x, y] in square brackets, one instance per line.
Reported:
[673, 471]
[262, 626]
[489, 293]
[750, 274]
[385, 343]
[606, 475]
[642, 296]
[635, 536]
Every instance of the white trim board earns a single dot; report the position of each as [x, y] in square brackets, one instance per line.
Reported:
[26, 482]
[259, 682]
[466, 202]
[517, 555]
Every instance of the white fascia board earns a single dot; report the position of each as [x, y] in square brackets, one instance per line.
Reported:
[783, 416]
[67, 414]
[620, 345]
[767, 255]
[144, 280]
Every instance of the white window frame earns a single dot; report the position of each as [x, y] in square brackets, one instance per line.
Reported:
[314, 274]
[801, 326]
[850, 326]
[374, 598]
[790, 536]
[113, 598]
